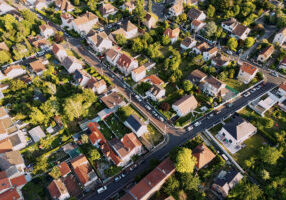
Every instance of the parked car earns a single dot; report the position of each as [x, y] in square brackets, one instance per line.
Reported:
[190, 128]
[117, 178]
[102, 189]
[197, 124]
[246, 94]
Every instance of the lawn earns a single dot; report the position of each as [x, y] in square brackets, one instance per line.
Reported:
[124, 112]
[236, 84]
[105, 131]
[215, 129]
[118, 128]
[153, 135]
[252, 146]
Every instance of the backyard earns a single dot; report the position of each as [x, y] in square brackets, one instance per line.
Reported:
[117, 127]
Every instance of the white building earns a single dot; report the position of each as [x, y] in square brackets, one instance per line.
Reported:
[156, 92]
[71, 64]
[136, 125]
[112, 56]
[246, 73]
[14, 71]
[100, 42]
[58, 190]
[188, 43]
[213, 86]
[108, 9]
[84, 23]
[5, 8]
[210, 53]
[47, 31]
[126, 64]
[67, 21]
[59, 52]
[280, 37]
[138, 74]
[172, 34]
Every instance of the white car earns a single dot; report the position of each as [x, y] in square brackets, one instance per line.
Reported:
[190, 128]
[197, 124]
[102, 189]
[246, 94]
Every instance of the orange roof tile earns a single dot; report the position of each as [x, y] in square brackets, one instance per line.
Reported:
[57, 188]
[64, 168]
[10, 68]
[283, 86]
[172, 33]
[19, 181]
[4, 181]
[203, 155]
[10, 195]
[248, 68]
[153, 79]
[5, 145]
[130, 141]
[139, 70]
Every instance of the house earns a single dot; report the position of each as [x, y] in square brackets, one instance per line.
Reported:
[96, 138]
[153, 80]
[107, 9]
[41, 4]
[5, 8]
[4, 47]
[84, 23]
[220, 60]
[129, 5]
[127, 147]
[280, 37]
[197, 25]
[113, 100]
[225, 181]
[99, 42]
[112, 56]
[38, 66]
[282, 105]
[39, 42]
[282, 89]
[266, 53]
[210, 53]
[6, 127]
[188, 43]
[150, 21]
[84, 171]
[64, 169]
[59, 52]
[64, 5]
[138, 74]
[197, 76]
[81, 77]
[236, 29]
[97, 86]
[130, 29]
[126, 64]
[212, 86]
[177, 9]
[67, 20]
[18, 140]
[282, 64]
[46, 30]
[152, 182]
[14, 71]
[246, 73]
[200, 48]
[196, 14]
[58, 190]
[5, 145]
[12, 163]
[156, 92]
[203, 155]
[185, 105]
[172, 34]
[136, 125]
[237, 130]
[71, 64]
[11, 194]
[37, 133]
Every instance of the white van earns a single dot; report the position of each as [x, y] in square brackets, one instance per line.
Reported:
[102, 189]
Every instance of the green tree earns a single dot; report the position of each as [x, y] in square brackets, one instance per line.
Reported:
[4, 57]
[17, 84]
[232, 44]
[139, 11]
[150, 6]
[120, 39]
[249, 42]
[188, 86]
[92, 4]
[210, 11]
[166, 40]
[171, 185]
[189, 181]
[269, 123]
[246, 191]
[269, 154]
[55, 173]
[94, 154]
[84, 138]
[36, 116]
[210, 29]
[264, 174]
[184, 161]
[76, 2]
[137, 45]
[183, 17]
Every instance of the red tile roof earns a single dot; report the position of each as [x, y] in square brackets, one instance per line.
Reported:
[124, 60]
[57, 188]
[81, 168]
[283, 86]
[4, 181]
[96, 134]
[153, 79]
[203, 155]
[19, 181]
[172, 33]
[64, 168]
[130, 141]
[248, 68]
[10, 195]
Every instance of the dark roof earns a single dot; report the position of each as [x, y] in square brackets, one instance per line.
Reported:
[134, 122]
[15, 140]
[227, 178]
[77, 75]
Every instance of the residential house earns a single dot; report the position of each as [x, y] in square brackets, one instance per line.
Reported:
[152, 182]
[172, 34]
[6, 126]
[58, 190]
[150, 21]
[229, 25]
[280, 37]
[210, 53]
[225, 181]
[266, 53]
[136, 125]
[67, 20]
[96, 138]
[197, 25]
[197, 76]
[99, 42]
[185, 105]
[39, 42]
[220, 60]
[38, 66]
[18, 140]
[64, 5]
[264, 103]
[213, 86]
[156, 92]
[153, 80]
[129, 5]
[127, 147]
[282, 105]
[246, 73]
[138, 74]
[282, 89]
[12, 163]
[81, 77]
[236, 29]
[5, 145]
[71, 64]
[64, 169]
[59, 52]
[113, 100]
[108, 9]
[112, 56]
[203, 155]
[5, 8]
[282, 64]
[237, 130]
[46, 30]
[41, 4]
[14, 71]
[126, 64]
[188, 43]
[130, 29]
[84, 23]
[37, 133]
[84, 171]
[176, 9]
[200, 48]
[97, 86]
[12, 194]
[196, 14]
